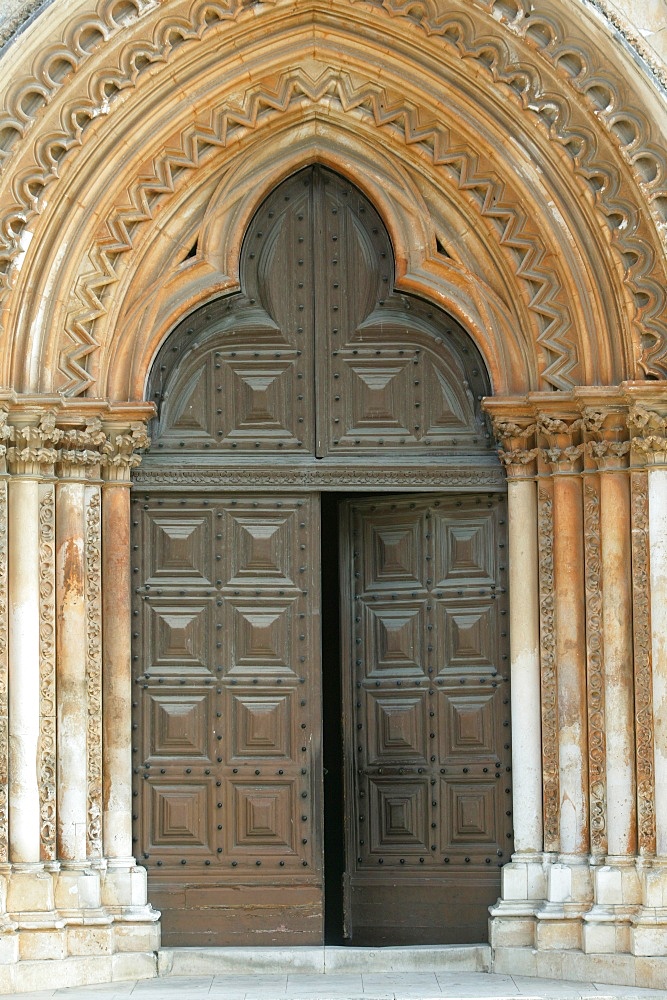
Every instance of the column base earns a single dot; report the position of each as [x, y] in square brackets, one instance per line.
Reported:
[75, 924]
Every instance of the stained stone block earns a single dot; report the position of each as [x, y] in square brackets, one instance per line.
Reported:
[77, 890]
[126, 887]
[90, 940]
[30, 891]
[42, 943]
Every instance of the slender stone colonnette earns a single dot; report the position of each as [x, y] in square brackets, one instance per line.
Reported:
[70, 890]
[587, 475]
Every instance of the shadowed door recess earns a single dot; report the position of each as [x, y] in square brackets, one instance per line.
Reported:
[317, 368]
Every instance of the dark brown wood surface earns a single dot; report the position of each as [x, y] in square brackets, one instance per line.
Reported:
[227, 708]
[316, 362]
[426, 714]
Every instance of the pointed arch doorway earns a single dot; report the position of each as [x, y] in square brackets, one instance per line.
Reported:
[320, 454]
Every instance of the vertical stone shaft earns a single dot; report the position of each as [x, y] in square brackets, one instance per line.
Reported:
[525, 656]
[657, 498]
[618, 663]
[571, 662]
[72, 699]
[117, 682]
[23, 592]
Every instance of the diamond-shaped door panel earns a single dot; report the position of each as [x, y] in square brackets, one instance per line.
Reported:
[394, 555]
[261, 726]
[395, 640]
[399, 816]
[261, 548]
[466, 550]
[262, 641]
[396, 725]
[469, 726]
[179, 814]
[179, 636]
[180, 548]
[468, 814]
[469, 633]
[178, 724]
[262, 818]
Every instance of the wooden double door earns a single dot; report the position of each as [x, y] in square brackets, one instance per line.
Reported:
[271, 629]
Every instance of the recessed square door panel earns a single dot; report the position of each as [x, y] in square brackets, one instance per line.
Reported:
[467, 550]
[261, 726]
[179, 724]
[399, 816]
[470, 635]
[262, 637]
[375, 398]
[393, 555]
[394, 639]
[469, 814]
[180, 547]
[257, 399]
[469, 728]
[260, 547]
[180, 815]
[179, 635]
[262, 817]
[396, 727]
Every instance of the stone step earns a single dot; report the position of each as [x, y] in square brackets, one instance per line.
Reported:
[323, 959]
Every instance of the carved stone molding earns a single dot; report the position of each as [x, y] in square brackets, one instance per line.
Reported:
[643, 670]
[93, 588]
[47, 672]
[595, 674]
[316, 477]
[476, 31]
[489, 193]
[550, 761]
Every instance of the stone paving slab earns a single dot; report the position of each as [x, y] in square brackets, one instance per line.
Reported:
[351, 986]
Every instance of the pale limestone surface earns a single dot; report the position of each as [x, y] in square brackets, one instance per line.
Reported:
[373, 986]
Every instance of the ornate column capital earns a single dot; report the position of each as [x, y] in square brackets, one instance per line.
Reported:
[564, 448]
[81, 450]
[124, 445]
[649, 434]
[606, 436]
[516, 445]
[34, 449]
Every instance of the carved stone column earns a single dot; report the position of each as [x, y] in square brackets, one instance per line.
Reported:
[610, 679]
[523, 879]
[31, 456]
[649, 932]
[124, 886]
[569, 888]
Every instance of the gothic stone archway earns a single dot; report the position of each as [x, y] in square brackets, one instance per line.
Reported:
[317, 373]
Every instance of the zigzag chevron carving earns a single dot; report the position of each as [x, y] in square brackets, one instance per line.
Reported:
[486, 31]
[488, 193]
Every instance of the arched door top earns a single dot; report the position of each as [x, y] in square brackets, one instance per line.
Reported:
[317, 356]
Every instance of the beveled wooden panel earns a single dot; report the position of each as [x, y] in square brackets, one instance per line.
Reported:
[426, 716]
[397, 724]
[261, 726]
[226, 749]
[179, 724]
[180, 548]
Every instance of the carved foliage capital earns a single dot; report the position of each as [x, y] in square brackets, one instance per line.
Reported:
[649, 434]
[123, 453]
